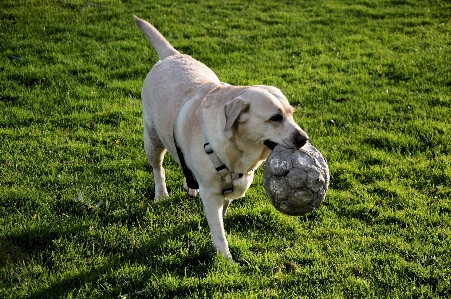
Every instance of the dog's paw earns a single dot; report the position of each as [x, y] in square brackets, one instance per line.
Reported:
[227, 256]
[191, 192]
[161, 196]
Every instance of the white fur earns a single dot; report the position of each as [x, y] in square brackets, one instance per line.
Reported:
[236, 120]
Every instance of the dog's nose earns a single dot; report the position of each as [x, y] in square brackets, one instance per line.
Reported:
[300, 139]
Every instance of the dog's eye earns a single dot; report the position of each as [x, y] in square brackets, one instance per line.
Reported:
[277, 117]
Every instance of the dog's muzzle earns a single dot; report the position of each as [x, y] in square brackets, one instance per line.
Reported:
[298, 139]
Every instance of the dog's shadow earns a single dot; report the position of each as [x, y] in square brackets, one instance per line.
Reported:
[179, 248]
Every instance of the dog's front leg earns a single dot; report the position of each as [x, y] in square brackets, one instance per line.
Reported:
[213, 207]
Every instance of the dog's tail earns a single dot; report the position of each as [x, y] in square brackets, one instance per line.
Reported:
[161, 45]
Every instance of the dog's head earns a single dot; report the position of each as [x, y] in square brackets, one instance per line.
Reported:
[262, 114]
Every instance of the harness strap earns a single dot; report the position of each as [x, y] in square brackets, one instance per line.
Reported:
[190, 178]
[227, 176]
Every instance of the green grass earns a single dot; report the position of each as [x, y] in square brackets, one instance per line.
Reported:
[371, 84]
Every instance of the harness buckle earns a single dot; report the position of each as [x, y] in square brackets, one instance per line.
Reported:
[227, 176]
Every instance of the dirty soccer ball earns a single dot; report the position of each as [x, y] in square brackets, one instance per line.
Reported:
[296, 180]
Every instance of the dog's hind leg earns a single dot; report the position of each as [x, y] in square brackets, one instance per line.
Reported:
[225, 206]
[191, 192]
[155, 153]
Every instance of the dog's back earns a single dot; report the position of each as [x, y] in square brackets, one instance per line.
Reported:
[169, 81]
[176, 72]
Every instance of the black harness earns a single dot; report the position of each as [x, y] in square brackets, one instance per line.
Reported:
[190, 178]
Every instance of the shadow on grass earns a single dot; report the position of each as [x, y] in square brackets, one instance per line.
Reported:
[10, 253]
[18, 246]
[61, 288]
[156, 255]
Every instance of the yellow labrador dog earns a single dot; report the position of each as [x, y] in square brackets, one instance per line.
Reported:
[218, 133]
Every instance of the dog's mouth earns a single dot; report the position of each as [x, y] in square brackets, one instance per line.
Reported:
[270, 144]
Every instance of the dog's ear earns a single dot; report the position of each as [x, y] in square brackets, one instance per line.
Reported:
[235, 111]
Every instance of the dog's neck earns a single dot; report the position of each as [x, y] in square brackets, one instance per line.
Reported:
[249, 159]
[240, 156]
[230, 152]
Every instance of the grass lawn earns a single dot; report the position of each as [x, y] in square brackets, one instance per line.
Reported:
[371, 84]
